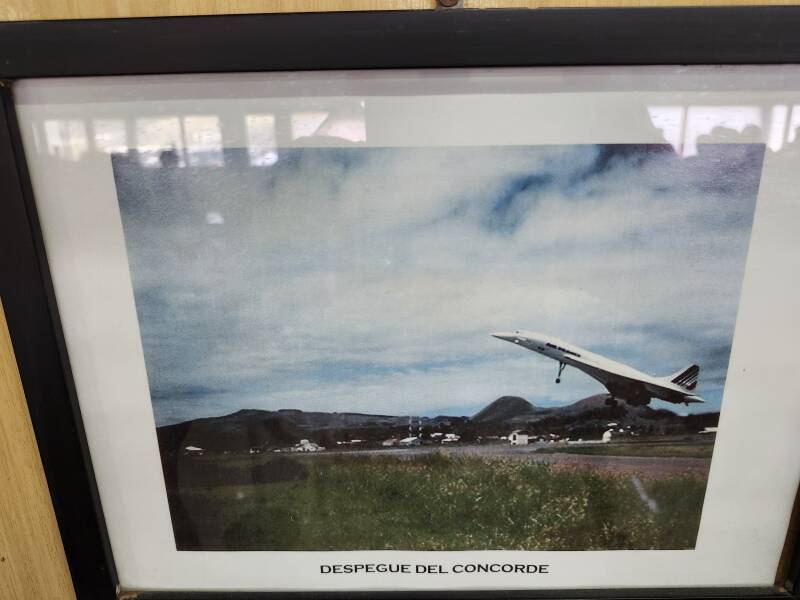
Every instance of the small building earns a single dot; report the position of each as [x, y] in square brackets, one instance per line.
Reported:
[307, 446]
[517, 438]
[410, 441]
[390, 442]
[709, 430]
[450, 438]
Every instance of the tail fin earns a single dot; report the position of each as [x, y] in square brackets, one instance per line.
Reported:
[686, 378]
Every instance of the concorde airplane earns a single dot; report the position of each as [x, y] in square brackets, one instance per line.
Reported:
[621, 381]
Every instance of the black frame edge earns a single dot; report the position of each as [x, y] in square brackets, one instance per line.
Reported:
[236, 43]
[35, 330]
[766, 593]
[402, 39]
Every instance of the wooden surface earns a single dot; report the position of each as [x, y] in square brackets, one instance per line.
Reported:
[22, 10]
[32, 561]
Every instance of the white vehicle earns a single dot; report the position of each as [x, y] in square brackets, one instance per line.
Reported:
[410, 441]
[621, 381]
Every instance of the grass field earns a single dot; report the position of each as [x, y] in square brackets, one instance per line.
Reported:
[688, 450]
[431, 502]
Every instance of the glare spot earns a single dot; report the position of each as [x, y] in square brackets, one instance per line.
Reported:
[261, 144]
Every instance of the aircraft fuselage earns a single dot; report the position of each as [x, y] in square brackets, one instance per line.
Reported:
[621, 380]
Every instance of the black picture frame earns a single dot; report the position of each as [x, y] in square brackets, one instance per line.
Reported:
[283, 42]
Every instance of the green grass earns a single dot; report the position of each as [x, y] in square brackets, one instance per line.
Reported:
[436, 502]
[688, 450]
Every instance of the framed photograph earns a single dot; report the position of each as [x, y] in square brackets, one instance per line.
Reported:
[458, 303]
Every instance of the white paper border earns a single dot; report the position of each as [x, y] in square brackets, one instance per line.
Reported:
[755, 470]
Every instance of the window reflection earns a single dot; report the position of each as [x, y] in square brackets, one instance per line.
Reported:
[38, 140]
[110, 136]
[669, 119]
[261, 143]
[794, 124]
[159, 136]
[684, 127]
[306, 124]
[197, 140]
[777, 127]
[66, 139]
[345, 122]
[203, 141]
[724, 121]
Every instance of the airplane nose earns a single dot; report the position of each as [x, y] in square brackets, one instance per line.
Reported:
[508, 336]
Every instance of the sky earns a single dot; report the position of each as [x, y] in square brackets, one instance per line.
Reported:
[368, 279]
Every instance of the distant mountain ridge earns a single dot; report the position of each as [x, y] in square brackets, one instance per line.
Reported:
[504, 408]
[264, 429]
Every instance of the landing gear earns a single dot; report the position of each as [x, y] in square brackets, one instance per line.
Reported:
[560, 370]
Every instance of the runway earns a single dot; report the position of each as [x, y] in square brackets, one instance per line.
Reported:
[625, 466]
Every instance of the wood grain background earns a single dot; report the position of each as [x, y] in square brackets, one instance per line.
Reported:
[23, 10]
[32, 561]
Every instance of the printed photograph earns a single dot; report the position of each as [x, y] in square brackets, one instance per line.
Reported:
[438, 348]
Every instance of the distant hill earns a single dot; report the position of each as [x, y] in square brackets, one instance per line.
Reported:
[263, 429]
[503, 409]
[591, 416]
[595, 402]
[252, 428]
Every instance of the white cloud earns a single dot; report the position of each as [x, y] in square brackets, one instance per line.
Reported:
[370, 279]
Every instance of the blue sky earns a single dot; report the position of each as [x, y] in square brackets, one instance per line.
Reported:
[368, 279]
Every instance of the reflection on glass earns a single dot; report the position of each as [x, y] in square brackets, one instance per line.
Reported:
[794, 124]
[203, 141]
[109, 135]
[159, 141]
[669, 119]
[214, 218]
[306, 124]
[706, 120]
[686, 127]
[777, 127]
[197, 140]
[261, 144]
[38, 142]
[345, 122]
[66, 139]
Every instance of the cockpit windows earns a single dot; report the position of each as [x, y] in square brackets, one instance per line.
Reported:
[564, 350]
